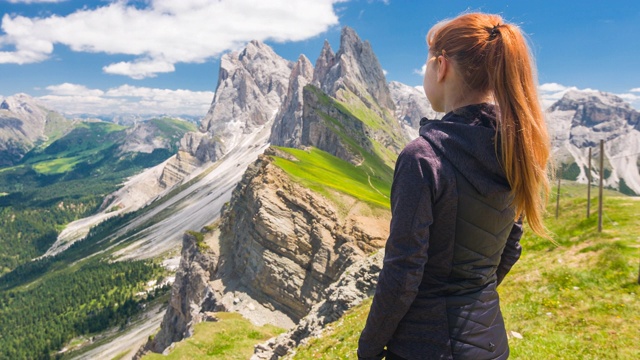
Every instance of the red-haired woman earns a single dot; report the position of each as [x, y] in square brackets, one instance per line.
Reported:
[459, 195]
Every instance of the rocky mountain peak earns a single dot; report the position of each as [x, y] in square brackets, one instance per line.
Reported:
[252, 84]
[23, 104]
[354, 68]
[23, 122]
[287, 127]
[325, 61]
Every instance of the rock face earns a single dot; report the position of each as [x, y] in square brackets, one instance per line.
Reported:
[287, 243]
[357, 283]
[177, 169]
[411, 106]
[191, 295]
[347, 109]
[144, 137]
[287, 127]
[580, 120]
[355, 68]
[23, 122]
[252, 85]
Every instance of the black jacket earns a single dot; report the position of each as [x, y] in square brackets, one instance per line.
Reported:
[452, 240]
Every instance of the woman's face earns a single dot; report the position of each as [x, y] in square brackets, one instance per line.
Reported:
[432, 89]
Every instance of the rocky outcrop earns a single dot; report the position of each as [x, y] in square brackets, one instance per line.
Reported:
[191, 294]
[580, 120]
[287, 127]
[357, 283]
[411, 105]
[177, 169]
[287, 243]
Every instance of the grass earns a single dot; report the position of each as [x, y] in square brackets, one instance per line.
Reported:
[56, 166]
[232, 337]
[578, 300]
[319, 170]
[340, 339]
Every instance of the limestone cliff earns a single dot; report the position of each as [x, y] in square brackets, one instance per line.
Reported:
[287, 243]
[356, 283]
[348, 131]
[278, 247]
[287, 126]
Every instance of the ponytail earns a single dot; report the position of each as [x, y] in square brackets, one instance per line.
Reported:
[494, 57]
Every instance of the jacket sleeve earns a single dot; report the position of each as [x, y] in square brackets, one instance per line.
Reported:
[512, 251]
[405, 254]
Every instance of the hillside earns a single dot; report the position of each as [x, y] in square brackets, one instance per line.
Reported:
[578, 300]
[67, 179]
[49, 301]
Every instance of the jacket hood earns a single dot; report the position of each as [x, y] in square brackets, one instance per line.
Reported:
[466, 137]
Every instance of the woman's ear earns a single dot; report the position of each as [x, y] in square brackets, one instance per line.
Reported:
[443, 68]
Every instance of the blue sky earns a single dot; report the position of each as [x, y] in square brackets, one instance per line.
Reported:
[162, 56]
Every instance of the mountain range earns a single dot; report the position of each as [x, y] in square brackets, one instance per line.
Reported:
[283, 189]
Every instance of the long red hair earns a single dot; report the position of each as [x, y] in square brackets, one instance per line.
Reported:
[494, 57]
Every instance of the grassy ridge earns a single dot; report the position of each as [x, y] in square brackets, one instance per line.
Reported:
[319, 170]
[576, 301]
[232, 337]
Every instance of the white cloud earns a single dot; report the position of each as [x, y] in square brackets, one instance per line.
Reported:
[164, 33]
[635, 89]
[78, 99]
[554, 87]
[421, 71]
[67, 89]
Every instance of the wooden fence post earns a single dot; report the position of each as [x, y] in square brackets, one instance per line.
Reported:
[558, 198]
[589, 186]
[600, 185]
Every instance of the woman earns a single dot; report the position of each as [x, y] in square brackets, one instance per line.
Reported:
[459, 195]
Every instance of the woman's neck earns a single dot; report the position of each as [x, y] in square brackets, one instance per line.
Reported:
[459, 98]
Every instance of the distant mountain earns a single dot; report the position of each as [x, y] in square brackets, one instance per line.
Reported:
[126, 119]
[411, 106]
[579, 121]
[24, 123]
